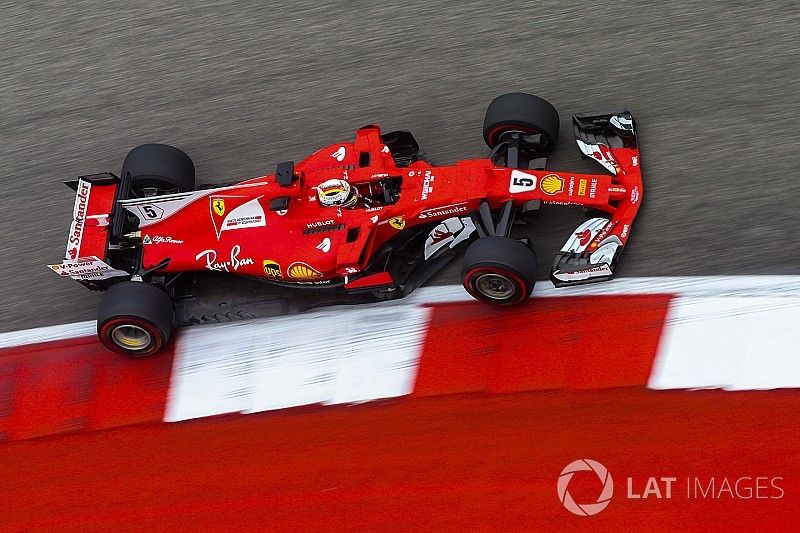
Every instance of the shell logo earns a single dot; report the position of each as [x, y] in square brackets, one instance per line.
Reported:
[552, 184]
[303, 271]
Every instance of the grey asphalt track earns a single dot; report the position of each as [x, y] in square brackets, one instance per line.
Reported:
[242, 85]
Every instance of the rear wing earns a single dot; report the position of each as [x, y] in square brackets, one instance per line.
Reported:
[593, 250]
[87, 242]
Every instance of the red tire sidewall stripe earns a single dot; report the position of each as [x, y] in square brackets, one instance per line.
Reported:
[518, 127]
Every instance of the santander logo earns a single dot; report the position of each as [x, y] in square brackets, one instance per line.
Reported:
[439, 236]
[584, 237]
[325, 245]
[339, 154]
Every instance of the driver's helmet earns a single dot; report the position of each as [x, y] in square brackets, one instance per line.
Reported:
[337, 193]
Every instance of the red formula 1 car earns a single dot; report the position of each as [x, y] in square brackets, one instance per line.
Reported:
[370, 216]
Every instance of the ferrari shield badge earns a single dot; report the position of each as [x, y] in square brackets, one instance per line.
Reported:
[219, 206]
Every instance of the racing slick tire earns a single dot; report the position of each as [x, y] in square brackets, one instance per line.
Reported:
[499, 270]
[521, 112]
[160, 168]
[134, 319]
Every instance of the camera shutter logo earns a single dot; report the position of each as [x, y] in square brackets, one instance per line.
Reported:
[585, 509]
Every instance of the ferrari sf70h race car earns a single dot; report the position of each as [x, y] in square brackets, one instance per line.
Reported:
[370, 216]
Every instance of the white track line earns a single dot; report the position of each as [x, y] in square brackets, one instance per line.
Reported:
[47, 334]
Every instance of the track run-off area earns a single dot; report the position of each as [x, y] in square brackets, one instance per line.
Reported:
[462, 413]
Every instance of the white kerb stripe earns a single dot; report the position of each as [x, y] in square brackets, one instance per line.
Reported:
[736, 343]
[48, 334]
[328, 357]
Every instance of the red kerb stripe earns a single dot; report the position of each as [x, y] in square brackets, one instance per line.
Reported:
[584, 342]
[76, 384]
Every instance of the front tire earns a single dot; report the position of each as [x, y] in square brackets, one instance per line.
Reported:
[135, 319]
[523, 113]
[499, 271]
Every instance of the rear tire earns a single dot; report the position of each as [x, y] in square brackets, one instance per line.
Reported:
[154, 169]
[525, 113]
[135, 319]
[499, 271]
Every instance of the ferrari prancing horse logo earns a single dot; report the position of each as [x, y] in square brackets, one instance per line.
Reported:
[397, 222]
[219, 206]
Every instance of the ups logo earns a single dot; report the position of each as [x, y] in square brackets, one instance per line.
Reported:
[272, 269]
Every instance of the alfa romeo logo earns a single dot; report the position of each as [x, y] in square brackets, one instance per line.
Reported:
[585, 509]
